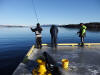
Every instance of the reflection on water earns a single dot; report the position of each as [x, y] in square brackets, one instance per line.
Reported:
[94, 29]
[15, 43]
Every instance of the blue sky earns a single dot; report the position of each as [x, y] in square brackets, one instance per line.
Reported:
[21, 12]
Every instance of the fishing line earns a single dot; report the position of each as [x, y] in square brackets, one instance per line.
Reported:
[33, 4]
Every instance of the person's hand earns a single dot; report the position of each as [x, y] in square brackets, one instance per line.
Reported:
[77, 33]
[30, 27]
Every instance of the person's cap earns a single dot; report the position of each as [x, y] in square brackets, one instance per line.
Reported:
[81, 23]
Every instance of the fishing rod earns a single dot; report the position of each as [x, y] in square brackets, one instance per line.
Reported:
[35, 11]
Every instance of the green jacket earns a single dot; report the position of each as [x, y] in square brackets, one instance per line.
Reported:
[83, 29]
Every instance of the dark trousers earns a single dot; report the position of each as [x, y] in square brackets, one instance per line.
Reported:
[54, 41]
[38, 42]
[82, 39]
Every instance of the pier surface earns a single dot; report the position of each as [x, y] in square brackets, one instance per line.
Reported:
[84, 60]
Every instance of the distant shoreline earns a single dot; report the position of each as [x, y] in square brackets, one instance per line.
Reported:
[95, 27]
[88, 25]
[11, 26]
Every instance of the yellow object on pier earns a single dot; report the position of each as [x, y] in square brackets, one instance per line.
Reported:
[41, 70]
[65, 63]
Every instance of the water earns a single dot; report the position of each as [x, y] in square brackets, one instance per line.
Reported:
[15, 43]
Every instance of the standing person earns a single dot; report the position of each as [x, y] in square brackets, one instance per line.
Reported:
[38, 31]
[54, 32]
[82, 32]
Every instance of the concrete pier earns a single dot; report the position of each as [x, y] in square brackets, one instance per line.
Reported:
[84, 60]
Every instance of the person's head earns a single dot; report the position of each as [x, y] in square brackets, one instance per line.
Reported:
[38, 24]
[81, 24]
[53, 26]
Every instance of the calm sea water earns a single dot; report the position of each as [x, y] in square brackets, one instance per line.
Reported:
[15, 43]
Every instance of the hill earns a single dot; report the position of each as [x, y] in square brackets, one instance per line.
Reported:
[94, 26]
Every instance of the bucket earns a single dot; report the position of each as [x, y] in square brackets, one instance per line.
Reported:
[65, 63]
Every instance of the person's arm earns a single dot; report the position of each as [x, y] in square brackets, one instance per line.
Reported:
[79, 31]
[41, 29]
[57, 29]
[50, 30]
[33, 30]
[85, 27]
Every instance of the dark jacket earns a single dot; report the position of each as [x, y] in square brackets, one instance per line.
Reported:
[54, 31]
[37, 30]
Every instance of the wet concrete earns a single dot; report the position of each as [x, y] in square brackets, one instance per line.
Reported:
[83, 60]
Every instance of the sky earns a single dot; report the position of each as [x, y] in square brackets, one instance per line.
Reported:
[22, 12]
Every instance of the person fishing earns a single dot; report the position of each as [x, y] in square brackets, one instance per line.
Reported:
[54, 32]
[82, 32]
[38, 31]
